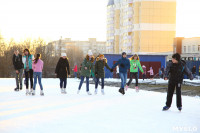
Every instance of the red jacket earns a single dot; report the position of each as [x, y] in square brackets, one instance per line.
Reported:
[75, 69]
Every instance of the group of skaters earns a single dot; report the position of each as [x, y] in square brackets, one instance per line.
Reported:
[32, 67]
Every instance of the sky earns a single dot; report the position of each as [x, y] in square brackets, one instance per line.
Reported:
[76, 19]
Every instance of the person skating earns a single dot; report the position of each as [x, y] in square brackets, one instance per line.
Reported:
[63, 71]
[124, 65]
[18, 65]
[175, 72]
[86, 67]
[28, 60]
[135, 64]
[151, 73]
[37, 73]
[101, 62]
[194, 71]
[145, 72]
[75, 70]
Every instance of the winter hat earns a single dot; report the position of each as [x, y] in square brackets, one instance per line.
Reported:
[63, 54]
[90, 53]
[176, 56]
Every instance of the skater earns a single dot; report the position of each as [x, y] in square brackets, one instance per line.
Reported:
[135, 64]
[87, 66]
[75, 70]
[176, 70]
[124, 65]
[18, 65]
[145, 72]
[151, 73]
[163, 71]
[63, 71]
[194, 71]
[101, 62]
[28, 60]
[199, 70]
[37, 74]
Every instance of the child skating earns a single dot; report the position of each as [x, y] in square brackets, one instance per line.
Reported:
[175, 72]
[101, 62]
[135, 64]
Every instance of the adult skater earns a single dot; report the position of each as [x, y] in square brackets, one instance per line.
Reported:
[175, 70]
[135, 64]
[28, 61]
[124, 65]
[18, 65]
[86, 67]
[37, 74]
[63, 71]
[101, 62]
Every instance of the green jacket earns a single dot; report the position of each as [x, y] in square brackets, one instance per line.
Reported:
[134, 66]
[99, 68]
[90, 66]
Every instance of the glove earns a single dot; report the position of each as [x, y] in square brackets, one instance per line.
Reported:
[122, 65]
[111, 70]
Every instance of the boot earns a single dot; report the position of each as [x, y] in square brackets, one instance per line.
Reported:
[88, 92]
[41, 93]
[64, 91]
[95, 92]
[78, 91]
[33, 93]
[102, 92]
[27, 91]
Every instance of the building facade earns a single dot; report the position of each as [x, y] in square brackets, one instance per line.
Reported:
[140, 26]
[64, 45]
[189, 48]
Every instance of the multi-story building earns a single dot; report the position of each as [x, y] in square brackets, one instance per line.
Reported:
[64, 45]
[140, 26]
[189, 48]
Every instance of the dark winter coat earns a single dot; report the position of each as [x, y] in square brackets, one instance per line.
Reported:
[99, 67]
[175, 72]
[62, 68]
[17, 62]
[124, 65]
[90, 66]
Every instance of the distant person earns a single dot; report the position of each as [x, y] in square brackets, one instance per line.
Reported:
[117, 71]
[18, 65]
[175, 72]
[151, 73]
[124, 65]
[194, 71]
[199, 70]
[75, 70]
[86, 67]
[160, 73]
[100, 63]
[28, 61]
[37, 74]
[145, 72]
[63, 71]
[134, 66]
[163, 71]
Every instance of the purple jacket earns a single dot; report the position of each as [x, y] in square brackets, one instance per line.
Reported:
[38, 66]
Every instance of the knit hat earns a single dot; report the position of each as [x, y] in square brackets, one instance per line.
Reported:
[90, 53]
[63, 54]
[176, 56]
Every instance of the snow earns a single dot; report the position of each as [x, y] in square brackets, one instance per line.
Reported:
[79, 113]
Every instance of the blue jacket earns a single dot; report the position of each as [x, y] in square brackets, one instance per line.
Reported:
[124, 65]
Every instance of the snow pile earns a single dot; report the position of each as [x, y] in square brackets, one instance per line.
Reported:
[111, 113]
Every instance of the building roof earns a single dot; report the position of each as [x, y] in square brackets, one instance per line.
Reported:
[111, 2]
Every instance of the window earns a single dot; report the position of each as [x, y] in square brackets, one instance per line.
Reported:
[189, 49]
[184, 49]
[193, 48]
[198, 47]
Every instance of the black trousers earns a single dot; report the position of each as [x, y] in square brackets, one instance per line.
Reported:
[63, 83]
[170, 92]
[29, 74]
[135, 74]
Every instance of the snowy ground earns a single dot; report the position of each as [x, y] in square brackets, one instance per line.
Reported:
[112, 113]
